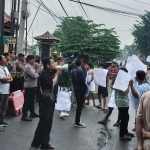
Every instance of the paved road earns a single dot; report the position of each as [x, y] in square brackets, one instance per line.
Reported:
[65, 137]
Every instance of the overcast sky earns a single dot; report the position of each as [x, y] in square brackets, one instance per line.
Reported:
[122, 24]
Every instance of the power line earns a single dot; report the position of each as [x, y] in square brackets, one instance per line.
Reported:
[49, 11]
[73, 8]
[87, 10]
[63, 8]
[83, 9]
[122, 5]
[53, 6]
[142, 2]
[34, 18]
[110, 9]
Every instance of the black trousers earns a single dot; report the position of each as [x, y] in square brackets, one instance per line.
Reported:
[124, 117]
[3, 106]
[42, 133]
[80, 100]
[29, 100]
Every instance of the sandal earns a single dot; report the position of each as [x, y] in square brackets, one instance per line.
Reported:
[86, 103]
[101, 122]
[99, 107]
[116, 124]
[125, 138]
[131, 134]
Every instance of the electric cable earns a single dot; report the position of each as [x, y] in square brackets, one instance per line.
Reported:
[83, 9]
[110, 9]
[123, 5]
[63, 8]
[73, 8]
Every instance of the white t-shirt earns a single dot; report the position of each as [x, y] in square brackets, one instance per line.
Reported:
[4, 87]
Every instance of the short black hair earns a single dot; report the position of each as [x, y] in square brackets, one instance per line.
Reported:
[103, 65]
[114, 62]
[140, 74]
[46, 61]
[124, 69]
[82, 59]
[1, 57]
[78, 62]
[6, 54]
[20, 55]
[90, 65]
[29, 57]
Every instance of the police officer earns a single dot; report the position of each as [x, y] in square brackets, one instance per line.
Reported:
[30, 84]
[20, 65]
[12, 69]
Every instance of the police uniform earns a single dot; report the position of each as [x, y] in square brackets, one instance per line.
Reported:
[30, 84]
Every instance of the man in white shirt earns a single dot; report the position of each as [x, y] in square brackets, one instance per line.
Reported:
[5, 79]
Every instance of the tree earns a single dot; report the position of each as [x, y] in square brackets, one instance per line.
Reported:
[141, 33]
[86, 39]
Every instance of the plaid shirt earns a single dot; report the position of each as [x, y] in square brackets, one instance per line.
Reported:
[112, 70]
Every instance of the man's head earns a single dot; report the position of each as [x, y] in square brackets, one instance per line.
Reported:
[37, 58]
[21, 57]
[12, 55]
[48, 63]
[2, 60]
[102, 66]
[78, 63]
[30, 59]
[113, 64]
[140, 75]
[89, 66]
[82, 62]
[7, 56]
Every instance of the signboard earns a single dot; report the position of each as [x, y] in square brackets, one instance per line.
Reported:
[11, 40]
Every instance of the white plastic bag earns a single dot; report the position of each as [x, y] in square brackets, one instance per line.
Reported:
[63, 100]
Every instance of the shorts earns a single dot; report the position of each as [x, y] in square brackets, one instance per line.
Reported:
[102, 91]
[91, 92]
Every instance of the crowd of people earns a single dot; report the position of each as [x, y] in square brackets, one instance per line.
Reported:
[40, 81]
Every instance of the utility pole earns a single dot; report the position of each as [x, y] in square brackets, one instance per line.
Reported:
[24, 15]
[17, 26]
[2, 11]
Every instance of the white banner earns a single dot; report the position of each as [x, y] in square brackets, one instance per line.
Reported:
[148, 59]
[122, 80]
[63, 100]
[134, 64]
[100, 76]
[111, 102]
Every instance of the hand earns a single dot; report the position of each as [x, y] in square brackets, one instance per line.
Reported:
[59, 72]
[88, 83]
[131, 83]
[140, 147]
[38, 70]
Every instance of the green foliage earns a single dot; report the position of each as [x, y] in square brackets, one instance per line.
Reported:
[141, 32]
[77, 38]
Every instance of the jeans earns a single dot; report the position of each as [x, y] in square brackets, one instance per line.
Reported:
[3, 106]
[42, 133]
[124, 117]
[29, 100]
[80, 100]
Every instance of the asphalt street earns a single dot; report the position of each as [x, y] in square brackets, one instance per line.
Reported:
[64, 136]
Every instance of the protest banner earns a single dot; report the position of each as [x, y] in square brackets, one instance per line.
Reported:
[134, 64]
[111, 102]
[148, 59]
[122, 80]
[100, 76]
